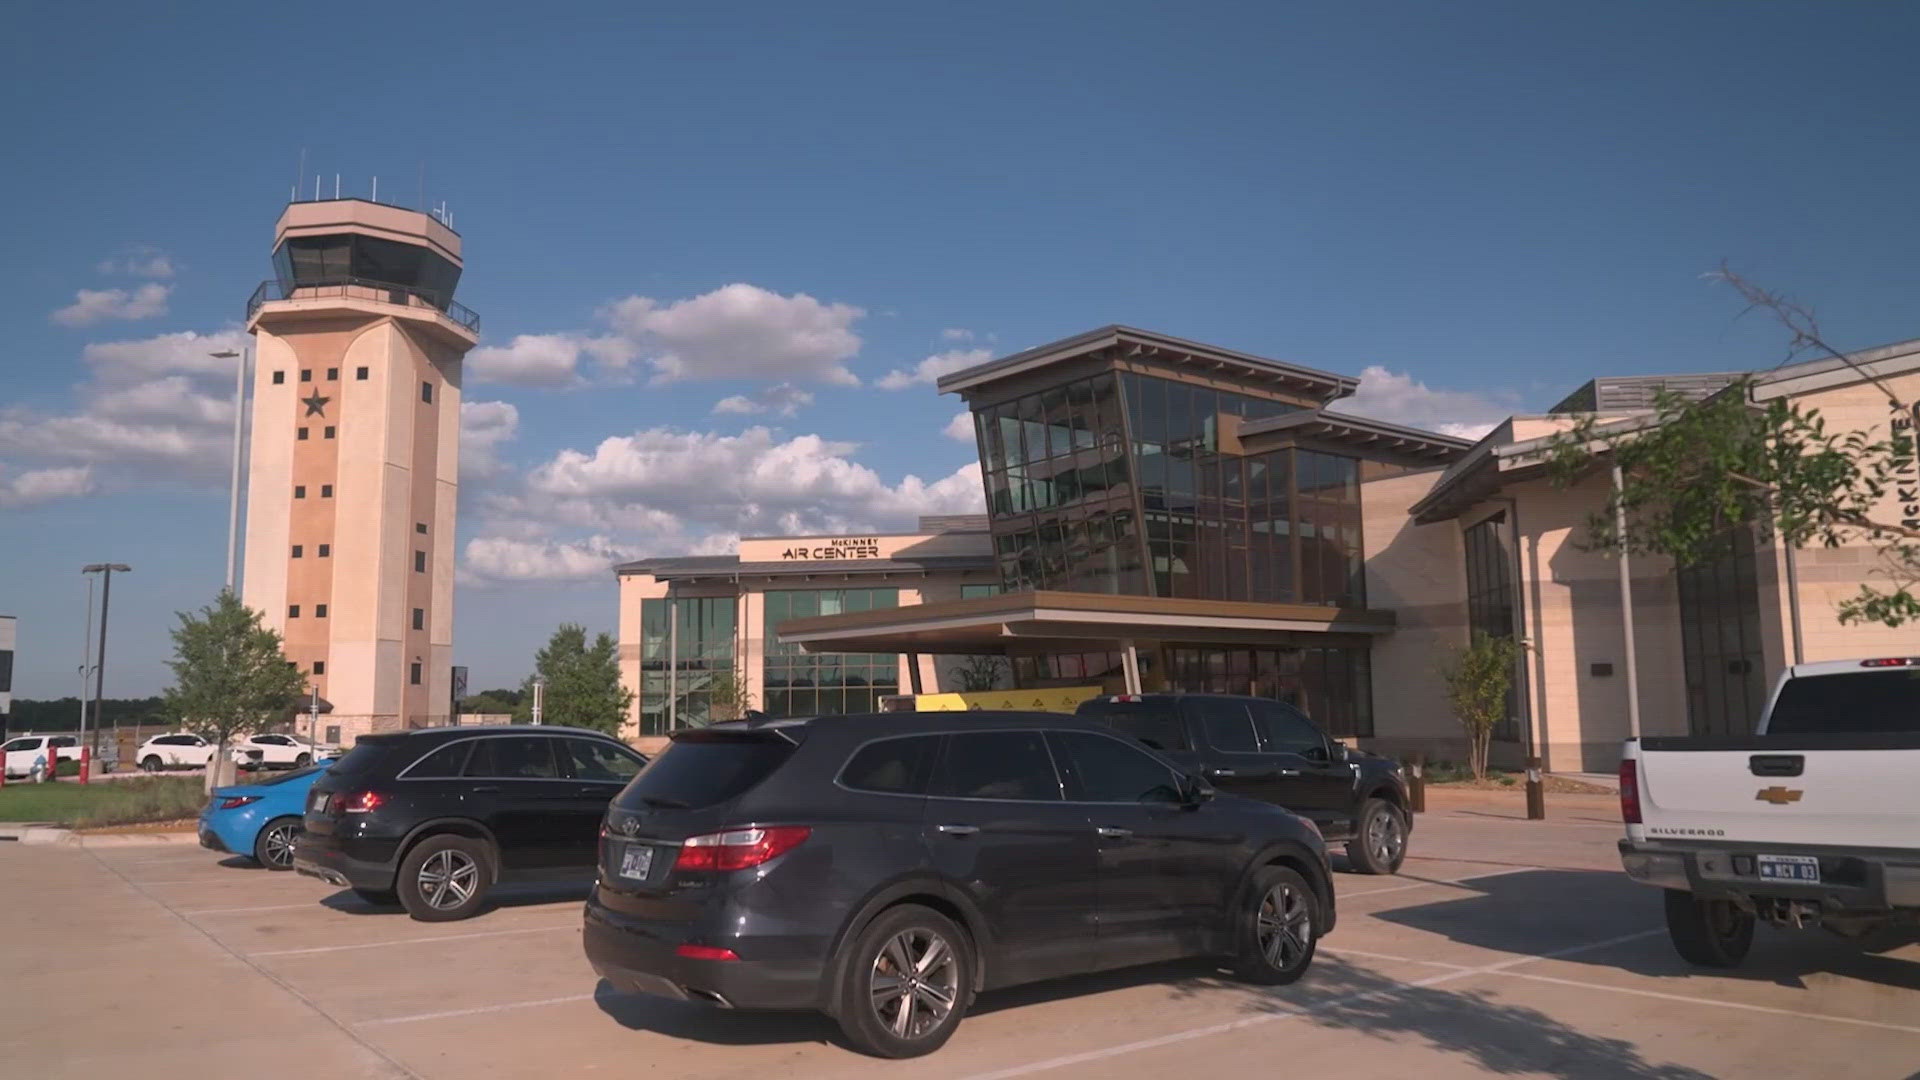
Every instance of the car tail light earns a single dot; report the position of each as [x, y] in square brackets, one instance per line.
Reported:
[1630, 791]
[705, 952]
[238, 801]
[360, 802]
[1892, 661]
[739, 849]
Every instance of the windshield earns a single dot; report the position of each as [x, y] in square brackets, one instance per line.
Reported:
[694, 773]
[1854, 703]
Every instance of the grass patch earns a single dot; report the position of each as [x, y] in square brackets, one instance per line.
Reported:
[105, 802]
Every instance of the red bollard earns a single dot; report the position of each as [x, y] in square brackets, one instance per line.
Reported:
[85, 761]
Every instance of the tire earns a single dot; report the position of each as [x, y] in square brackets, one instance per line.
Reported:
[1379, 843]
[874, 1005]
[151, 763]
[302, 761]
[273, 844]
[1279, 928]
[445, 878]
[1708, 933]
[379, 897]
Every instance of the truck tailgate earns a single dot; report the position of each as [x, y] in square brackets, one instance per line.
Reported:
[1852, 790]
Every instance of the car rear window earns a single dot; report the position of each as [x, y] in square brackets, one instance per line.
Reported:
[1854, 703]
[1156, 724]
[706, 771]
[362, 758]
[892, 766]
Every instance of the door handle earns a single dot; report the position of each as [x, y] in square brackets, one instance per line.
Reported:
[484, 787]
[957, 830]
[1289, 772]
[1112, 833]
[1221, 772]
[1777, 764]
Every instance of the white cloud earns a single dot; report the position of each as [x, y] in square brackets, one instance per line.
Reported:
[140, 260]
[1401, 399]
[928, 371]
[94, 305]
[484, 426]
[785, 399]
[741, 331]
[44, 485]
[960, 428]
[956, 334]
[547, 361]
[158, 408]
[492, 559]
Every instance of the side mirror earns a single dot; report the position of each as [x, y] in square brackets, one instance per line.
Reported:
[1196, 790]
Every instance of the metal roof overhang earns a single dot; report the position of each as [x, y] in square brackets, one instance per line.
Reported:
[1134, 342]
[1039, 622]
[1374, 440]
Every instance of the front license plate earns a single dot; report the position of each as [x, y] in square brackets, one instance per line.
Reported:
[636, 860]
[1790, 868]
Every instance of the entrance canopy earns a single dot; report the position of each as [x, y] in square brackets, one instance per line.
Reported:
[1027, 623]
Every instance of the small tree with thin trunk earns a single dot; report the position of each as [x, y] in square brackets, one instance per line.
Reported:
[727, 694]
[979, 674]
[230, 676]
[1479, 678]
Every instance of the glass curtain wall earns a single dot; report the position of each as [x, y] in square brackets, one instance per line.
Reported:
[1331, 684]
[1720, 638]
[706, 652]
[798, 683]
[1491, 603]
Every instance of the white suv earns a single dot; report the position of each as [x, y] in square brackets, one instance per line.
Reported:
[271, 749]
[22, 753]
[179, 750]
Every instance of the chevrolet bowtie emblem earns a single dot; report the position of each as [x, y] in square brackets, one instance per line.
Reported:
[1778, 796]
[629, 826]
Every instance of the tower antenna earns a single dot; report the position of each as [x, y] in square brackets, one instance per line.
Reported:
[300, 175]
[376, 189]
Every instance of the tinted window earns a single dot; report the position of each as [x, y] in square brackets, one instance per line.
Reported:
[443, 763]
[21, 744]
[1855, 703]
[362, 758]
[1227, 726]
[600, 761]
[1101, 769]
[65, 740]
[892, 766]
[1158, 724]
[518, 757]
[1284, 731]
[704, 771]
[997, 765]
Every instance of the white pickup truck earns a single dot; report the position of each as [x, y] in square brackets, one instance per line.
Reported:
[1814, 820]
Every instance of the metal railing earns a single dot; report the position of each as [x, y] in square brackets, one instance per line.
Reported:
[381, 292]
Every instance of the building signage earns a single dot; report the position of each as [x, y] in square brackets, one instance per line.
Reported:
[1906, 478]
[846, 547]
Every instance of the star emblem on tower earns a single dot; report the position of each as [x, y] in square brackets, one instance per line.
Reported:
[316, 405]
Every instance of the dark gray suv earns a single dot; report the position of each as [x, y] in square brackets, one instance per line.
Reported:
[885, 868]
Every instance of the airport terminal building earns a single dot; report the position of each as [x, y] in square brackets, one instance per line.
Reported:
[1164, 514]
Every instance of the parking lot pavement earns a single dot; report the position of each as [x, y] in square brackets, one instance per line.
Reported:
[1504, 947]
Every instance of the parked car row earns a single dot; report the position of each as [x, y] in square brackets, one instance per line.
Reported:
[22, 755]
[882, 869]
[185, 750]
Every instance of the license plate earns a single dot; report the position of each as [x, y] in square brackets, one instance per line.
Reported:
[636, 861]
[1790, 868]
[316, 800]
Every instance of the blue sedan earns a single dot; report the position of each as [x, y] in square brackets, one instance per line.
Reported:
[259, 820]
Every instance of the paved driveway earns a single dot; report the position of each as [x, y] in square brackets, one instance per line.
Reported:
[1506, 947]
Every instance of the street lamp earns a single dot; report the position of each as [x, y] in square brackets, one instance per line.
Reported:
[233, 495]
[106, 572]
[86, 672]
[539, 696]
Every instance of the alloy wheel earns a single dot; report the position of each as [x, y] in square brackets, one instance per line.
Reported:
[278, 846]
[1384, 838]
[915, 983]
[448, 879]
[1285, 926]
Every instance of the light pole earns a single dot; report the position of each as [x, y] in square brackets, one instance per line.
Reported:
[106, 572]
[539, 696]
[233, 491]
[86, 670]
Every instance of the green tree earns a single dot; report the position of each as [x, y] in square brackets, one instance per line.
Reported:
[583, 682]
[727, 695]
[1479, 678]
[1697, 471]
[230, 676]
[490, 701]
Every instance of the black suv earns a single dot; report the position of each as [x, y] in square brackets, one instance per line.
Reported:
[1268, 750]
[433, 818]
[885, 868]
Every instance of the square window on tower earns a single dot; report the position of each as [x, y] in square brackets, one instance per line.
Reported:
[333, 374]
[279, 377]
[299, 491]
[293, 611]
[319, 667]
[360, 373]
[426, 392]
[326, 550]
[329, 432]
[419, 618]
[326, 491]
[319, 611]
[296, 551]
[413, 673]
[306, 374]
[419, 562]
[420, 527]
[303, 435]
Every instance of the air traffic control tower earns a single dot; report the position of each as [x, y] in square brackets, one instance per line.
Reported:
[355, 457]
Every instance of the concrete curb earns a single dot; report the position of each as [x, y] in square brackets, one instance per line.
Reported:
[34, 834]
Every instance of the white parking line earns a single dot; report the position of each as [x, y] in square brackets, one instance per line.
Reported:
[245, 910]
[1475, 819]
[1247, 1022]
[1882, 1025]
[1453, 882]
[1390, 956]
[575, 926]
[477, 1010]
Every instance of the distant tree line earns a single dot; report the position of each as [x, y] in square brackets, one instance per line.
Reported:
[491, 701]
[63, 714]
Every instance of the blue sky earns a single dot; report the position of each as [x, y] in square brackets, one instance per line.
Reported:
[1478, 205]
